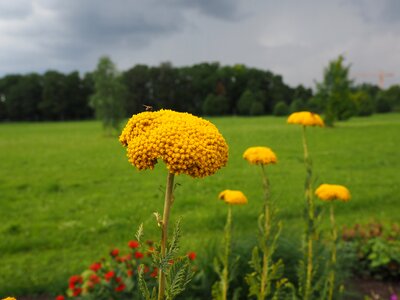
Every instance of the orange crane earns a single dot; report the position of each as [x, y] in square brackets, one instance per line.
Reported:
[381, 77]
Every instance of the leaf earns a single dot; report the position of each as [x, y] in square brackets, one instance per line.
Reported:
[139, 233]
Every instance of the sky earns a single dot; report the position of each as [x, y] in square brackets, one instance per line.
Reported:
[295, 39]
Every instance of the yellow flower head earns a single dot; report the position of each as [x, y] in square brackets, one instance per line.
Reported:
[305, 118]
[233, 197]
[9, 298]
[187, 144]
[330, 192]
[260, 156]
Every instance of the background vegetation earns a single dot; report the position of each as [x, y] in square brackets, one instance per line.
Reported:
[202, 89]
[69, 195]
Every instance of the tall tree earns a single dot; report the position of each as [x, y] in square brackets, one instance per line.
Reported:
[109, 97]
[334, 92]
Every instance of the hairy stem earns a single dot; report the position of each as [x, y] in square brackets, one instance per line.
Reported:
[164, 231]
[310, 220]
[333, 254]
[225, 272]
[267, 228]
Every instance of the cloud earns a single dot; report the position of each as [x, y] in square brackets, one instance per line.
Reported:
[294, 40]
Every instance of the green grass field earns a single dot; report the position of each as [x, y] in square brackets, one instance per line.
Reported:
[68, 194]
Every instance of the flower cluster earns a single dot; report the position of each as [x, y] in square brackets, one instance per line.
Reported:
[305, 118]
[233, 197]
[260, 156]
[116, 277]
[330, 192]
[187, 144]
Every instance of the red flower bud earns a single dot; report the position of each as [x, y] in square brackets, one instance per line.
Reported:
[109, 275]
[60, 297]
[95, 266]
[192, 255]
[114, 252]
[120, 288]
[133, 244]
[138, 255]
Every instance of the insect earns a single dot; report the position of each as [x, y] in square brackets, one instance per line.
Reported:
[148, 107]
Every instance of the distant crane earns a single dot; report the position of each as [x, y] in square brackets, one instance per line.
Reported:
[381, 77]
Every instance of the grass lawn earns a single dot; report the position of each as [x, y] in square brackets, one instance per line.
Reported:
[68, 194]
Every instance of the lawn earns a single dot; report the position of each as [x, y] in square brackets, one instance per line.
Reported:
[68, 194]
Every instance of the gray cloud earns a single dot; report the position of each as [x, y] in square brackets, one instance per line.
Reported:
[294, 40]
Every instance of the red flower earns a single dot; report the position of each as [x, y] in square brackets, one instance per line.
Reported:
[138, 255]
[94, 278]
[192, 255]
[133, 244]
[109, 275]
[129, 273]
[114, 252]
[76, 292]
[154, 273]
[60, 297]
[120, 288]
[95, 266]
[73, 280]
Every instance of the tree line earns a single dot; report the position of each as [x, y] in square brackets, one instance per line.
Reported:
[201, 89]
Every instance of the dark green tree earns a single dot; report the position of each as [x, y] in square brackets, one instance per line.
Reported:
[334, 92]
[363, 103]
[281, 109]
[215, 105]
[108, 99]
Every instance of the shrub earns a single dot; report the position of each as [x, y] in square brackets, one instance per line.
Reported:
[377, 248]
[281, 109]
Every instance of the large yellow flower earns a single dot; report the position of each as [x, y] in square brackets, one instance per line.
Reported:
[305, 118]
[260, 156]
[187, 144]
[330, 192]
[233, 197]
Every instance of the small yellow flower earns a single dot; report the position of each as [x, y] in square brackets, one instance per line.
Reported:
[260, 156]
[330, 192]
[233, 197]
[187, 144]
[9, 298]
[305, 118]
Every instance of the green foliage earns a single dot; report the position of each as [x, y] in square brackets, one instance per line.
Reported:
[334, 92]
[257, 108]
[108, 99]
[244, 104]
[215, 105]
[363, 102]
[377, 248]
[281, 109]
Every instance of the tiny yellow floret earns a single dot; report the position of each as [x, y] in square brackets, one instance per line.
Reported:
[305, 118]
[233, 197]
[330, 192]
[260, 156]
[186, 143]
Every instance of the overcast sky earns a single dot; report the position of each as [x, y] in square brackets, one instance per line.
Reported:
[289, 37]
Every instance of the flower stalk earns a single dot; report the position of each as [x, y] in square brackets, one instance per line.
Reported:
[267, 229]
[331, 279]
[227, 252]
[169, 198]
[310, 235]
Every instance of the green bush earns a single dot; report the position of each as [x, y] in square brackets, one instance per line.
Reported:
[215, 105]
[281, 109]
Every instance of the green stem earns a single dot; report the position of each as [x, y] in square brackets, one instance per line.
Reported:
[310, 235]
[333, 255]
[164, 231]
[225, 272]
[267, 228]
